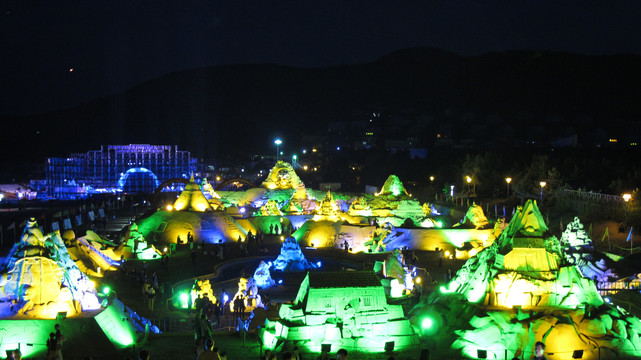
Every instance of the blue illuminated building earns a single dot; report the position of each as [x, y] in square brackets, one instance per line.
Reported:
[135, 168]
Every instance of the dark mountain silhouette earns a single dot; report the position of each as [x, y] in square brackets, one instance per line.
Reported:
[240, 108]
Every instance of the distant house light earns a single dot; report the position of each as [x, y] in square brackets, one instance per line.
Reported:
[613, 140]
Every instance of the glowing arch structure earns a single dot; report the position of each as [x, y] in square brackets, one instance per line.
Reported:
[123, 178]
[222, 185]
[156, 195]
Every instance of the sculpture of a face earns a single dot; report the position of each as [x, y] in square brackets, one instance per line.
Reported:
[283, 177]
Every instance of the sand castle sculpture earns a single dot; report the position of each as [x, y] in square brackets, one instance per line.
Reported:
[349, 311]
[328, 209]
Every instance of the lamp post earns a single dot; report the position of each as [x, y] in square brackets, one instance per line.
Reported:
[626, 198]
[277, 142]
[508, 180]
[471, 188]
[542, 183]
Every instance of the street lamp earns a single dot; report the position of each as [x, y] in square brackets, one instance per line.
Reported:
[471, 188]
[626, 198]
[432, 178]
[542, 183]
[508, 180]
[277, 142]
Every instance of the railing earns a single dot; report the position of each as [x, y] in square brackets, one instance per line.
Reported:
[595, 197]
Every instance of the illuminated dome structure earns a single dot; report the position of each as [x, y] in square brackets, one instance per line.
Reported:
[520, 290]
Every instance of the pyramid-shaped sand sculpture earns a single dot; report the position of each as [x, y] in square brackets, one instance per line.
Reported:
[281, 176]
[393, 186]
[192, 198]
[521, 290]
[39, 279]
[328, 209]
[345, 309]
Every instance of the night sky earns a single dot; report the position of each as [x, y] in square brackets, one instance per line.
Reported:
[113, 45]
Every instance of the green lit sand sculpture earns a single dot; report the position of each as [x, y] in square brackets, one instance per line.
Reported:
[344, 309]
[520, 290]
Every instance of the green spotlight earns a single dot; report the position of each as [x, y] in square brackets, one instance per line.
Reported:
[439, 224]
[106, 290]
[431, 323]
[427, 323]
[184, 300]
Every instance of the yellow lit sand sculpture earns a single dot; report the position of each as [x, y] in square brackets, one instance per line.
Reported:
[521, 290]
[248, 294]
[360, 207]
[207, 188]
[328, 209]
[270, 208]
[39, 279]
[94, 255]
[474, 218]
[41, 286]
[202, 289]
[282, 176]
[192, 198]
[191, 214]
